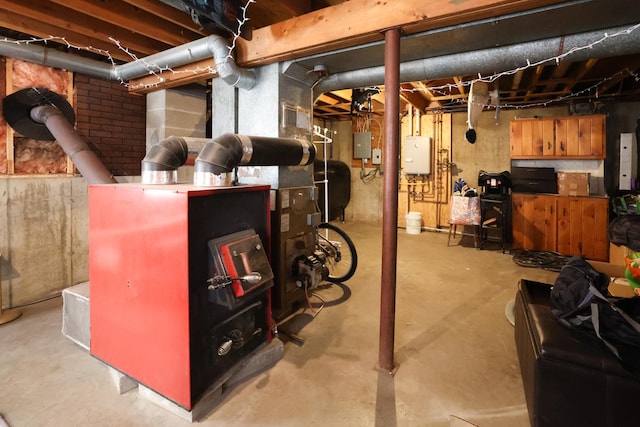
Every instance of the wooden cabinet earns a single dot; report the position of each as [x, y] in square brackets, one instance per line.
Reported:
[534, 222]
[568, 225]
[575, 137]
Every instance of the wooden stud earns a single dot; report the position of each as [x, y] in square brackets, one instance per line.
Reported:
[9, 130]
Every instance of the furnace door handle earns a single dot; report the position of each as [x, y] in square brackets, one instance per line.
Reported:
[225, 347]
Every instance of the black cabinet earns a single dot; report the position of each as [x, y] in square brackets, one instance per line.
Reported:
[495, 220]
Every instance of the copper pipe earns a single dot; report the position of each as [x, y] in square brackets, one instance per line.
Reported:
[390, 199]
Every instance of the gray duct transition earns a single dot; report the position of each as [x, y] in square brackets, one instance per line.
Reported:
[494, 59]
[207, 47]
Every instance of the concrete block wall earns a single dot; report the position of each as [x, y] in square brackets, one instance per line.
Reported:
[176, 112]
[114, 121]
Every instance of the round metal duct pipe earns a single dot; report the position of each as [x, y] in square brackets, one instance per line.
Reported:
[582, 47]
[44, 115]
[73, 144]
[211, 46]
[221, 155]
[160, 165]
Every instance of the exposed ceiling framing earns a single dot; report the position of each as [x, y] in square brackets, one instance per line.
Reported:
[312, 32]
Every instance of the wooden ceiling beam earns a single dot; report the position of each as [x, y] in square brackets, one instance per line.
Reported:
[577, 78]
[631, 68]
[330, 100]
[559, 71]
[359, 21]
[65, 22]
[534, 81]
[459, 84]
[168, 13]
[412, 96]
[178, 76]
[515, 83]
[35, 28]
[264, 12]
[127, 16]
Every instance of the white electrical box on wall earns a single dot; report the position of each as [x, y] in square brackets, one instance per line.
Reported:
[417, 155]
[376, 156]
[628, 160]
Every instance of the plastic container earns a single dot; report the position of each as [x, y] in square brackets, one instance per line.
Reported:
[414, 222]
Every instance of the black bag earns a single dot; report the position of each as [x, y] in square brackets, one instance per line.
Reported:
[624, 230]
[578, 301]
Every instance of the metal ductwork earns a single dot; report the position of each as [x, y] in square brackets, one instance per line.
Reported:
[73, 144]
[44, 115]
[221, 155]
[494, 59]
[196, 50]
[207, 47]
[160, 165]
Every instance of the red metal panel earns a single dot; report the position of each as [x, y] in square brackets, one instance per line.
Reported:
[139, 286]
[139, 277]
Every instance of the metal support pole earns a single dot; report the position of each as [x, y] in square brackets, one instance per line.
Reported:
[390, 199]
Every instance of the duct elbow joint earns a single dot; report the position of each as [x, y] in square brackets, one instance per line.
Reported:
[160, 165]
[227, 68]
[217, 159]
[220, 156]
[235, 76]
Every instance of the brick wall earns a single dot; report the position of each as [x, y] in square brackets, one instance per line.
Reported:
[114, 121]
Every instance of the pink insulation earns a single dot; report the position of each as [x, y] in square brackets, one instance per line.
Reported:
[30, 156]
[38, 157]
[27, 74]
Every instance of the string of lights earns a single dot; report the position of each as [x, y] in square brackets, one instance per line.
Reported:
[449, 88]
[241, 22]
[443, 90]
[153, 69]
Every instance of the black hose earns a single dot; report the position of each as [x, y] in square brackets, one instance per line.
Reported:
[546, 260]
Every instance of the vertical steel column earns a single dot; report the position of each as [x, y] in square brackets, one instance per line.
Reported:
[390, 199]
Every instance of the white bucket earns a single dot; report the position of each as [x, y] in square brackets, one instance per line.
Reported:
[414, 222]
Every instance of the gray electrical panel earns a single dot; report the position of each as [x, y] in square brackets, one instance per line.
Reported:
[362, 145]
[417, 155]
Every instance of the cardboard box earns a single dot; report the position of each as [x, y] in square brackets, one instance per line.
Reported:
[618, 254]
[619, 285]
[573, 183]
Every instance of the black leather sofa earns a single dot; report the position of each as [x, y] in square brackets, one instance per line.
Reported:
[569, 379]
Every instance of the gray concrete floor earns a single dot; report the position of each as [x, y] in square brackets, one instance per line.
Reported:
[453, 345]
